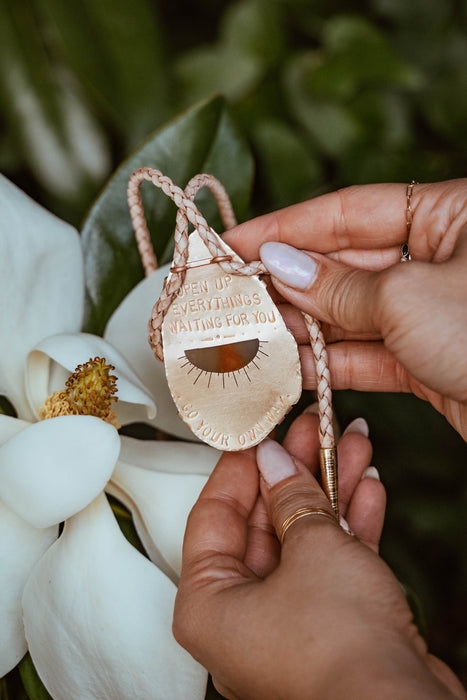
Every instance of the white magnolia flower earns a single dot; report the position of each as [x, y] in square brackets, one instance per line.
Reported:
[97, 614]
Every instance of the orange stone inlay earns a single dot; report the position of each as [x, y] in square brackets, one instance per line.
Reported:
[223, 359]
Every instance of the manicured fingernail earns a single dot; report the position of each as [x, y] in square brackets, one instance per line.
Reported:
[371, 473]
[289, 265]
[274, 462]
[359, 425]
[345, 525]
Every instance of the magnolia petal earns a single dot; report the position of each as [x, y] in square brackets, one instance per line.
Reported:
[41, 269]
[68, 351]
[21, 546]
[51, 470]
[169, 456]
[127, 331]
[159, 483]
[98, 618]
[9, 426]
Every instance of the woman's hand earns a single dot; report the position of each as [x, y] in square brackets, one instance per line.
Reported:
[322, 618]
[391, 326]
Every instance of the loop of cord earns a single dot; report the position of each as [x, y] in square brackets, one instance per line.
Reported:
[189, 213]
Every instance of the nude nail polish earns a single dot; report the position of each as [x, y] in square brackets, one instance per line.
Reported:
[371, 473]
[359, 425]
[274, 462]
[289, 265]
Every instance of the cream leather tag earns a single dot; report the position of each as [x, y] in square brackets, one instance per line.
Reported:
[232, 366]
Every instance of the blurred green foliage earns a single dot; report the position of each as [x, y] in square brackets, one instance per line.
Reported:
[326, 93]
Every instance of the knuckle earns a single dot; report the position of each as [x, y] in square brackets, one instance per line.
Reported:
[342, 227]
[387, 293]
[344, 292]
[288, 497]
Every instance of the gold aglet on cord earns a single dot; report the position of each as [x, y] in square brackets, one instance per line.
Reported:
[328, 464]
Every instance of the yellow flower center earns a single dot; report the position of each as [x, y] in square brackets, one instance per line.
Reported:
[89, 391]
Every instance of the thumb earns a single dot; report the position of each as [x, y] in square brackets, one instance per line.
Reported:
[335, 293]
[292, 495]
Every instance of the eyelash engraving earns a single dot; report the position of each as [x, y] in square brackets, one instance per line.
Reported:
[231, 359]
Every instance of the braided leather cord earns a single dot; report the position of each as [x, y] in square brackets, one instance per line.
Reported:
[189, 213]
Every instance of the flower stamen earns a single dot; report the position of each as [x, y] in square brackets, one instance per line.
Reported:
[89, 391]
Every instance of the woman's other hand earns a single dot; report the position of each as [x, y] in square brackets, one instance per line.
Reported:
[390, 326]
[321, 617]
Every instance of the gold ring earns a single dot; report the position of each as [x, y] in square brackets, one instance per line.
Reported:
[302, 513]
[405, 252]
[408, 205]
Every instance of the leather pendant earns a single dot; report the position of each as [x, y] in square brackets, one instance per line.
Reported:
[232, 366]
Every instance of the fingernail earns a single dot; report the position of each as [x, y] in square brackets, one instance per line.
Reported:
[345, 525]
[371, 473]
[289, 265]
[274, 462]
[359, 425]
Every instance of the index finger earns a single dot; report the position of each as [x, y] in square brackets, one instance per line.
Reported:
[361, 216]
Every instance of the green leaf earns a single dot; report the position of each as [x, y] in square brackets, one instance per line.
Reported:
[54, 130]
[444, 102]
[206, 70]
[31, 681]
[251, 40]
[291, 171]
[114, 48]
[255, 28]
[357, 54]
[125, 522]
[6, 407]
[331, 124]
[385, 116]
[204, 139]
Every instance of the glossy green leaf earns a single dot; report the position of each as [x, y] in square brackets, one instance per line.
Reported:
[114, 48]
[31, 681]
[204, 139]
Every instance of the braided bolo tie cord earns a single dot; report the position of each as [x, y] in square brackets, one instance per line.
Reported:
[189, 213]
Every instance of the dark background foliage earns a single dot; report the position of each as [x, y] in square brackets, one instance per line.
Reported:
[325, 93]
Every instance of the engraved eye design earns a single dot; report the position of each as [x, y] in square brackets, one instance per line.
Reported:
[225, 360]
